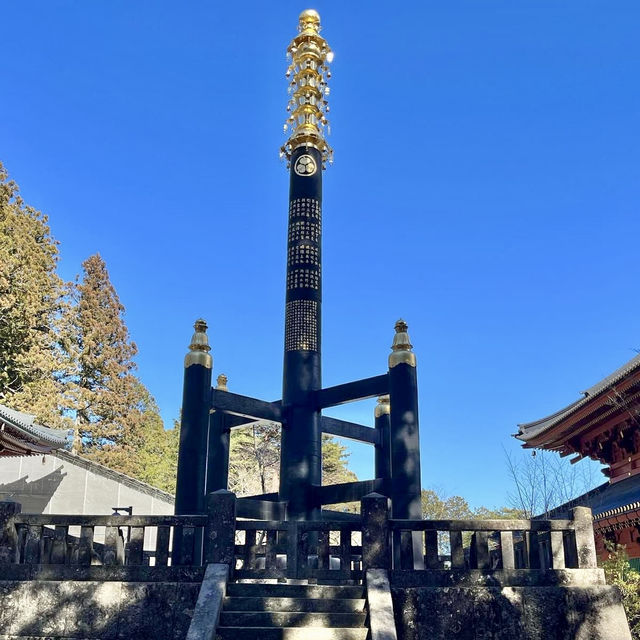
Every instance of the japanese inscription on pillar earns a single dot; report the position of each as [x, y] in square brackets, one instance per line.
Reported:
[303, 272]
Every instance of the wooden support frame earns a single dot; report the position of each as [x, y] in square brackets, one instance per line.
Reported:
[348, 491]
[260, 509]
[351, 391]
[245, 406]
[350, 430]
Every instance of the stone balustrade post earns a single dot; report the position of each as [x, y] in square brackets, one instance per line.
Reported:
[220, 532]
[8, 533]
[585, 541]
[376, 550]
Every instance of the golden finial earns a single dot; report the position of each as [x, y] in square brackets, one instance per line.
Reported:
[309, 73]
[199, 347]
[401, 347]
[221, 382]
[383, 407]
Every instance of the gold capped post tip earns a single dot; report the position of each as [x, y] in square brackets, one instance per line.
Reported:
[199, 347]
[401, 347]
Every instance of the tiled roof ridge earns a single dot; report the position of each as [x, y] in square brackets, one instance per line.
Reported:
[603, 385]
[24, 422]
[617, 511]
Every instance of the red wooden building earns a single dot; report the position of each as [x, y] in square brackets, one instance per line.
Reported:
[603, 425]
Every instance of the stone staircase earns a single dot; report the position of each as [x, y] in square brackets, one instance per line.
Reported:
[292, 612]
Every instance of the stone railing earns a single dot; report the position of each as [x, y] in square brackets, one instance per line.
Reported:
[497, 544]
[324, 550]
[109, 540]
[446, 551]
[328, 550]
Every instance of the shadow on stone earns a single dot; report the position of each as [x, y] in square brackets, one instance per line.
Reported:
[88, 609]
[505, 613]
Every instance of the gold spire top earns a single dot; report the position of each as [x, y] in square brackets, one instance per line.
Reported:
[309, 72]
[401, 347]
[221, 382]
[199, 347]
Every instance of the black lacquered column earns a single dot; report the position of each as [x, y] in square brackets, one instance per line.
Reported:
[383, 448]
[405, 440]
[194, 426]
[301, 453]
[218, 446]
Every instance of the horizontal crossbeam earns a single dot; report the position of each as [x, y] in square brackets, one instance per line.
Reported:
[351, 391]
[349, 491]
[328, 516]
[482, 525]
[349, 430]
[245, 406]
[234, 422]
[269, 497]
[260, 509]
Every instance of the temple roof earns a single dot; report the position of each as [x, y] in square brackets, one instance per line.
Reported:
[605, 501]
[21, 436]
[529, 430]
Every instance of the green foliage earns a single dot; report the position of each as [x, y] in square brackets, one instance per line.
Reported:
[65, 351]
[618, 572]
[118, 420]
[335, 460]
[438, 506]
[32, 304]
[106, 386]
[159, 457]
[502, 513]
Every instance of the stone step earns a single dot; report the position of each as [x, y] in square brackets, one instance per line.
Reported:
[337, 605]
[290, 619]
[240, 589]
[289, 633]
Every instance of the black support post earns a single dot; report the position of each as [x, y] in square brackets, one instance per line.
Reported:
[404, 435]
[218, 456]
[194, 426]
[218, 442]
[383, 448]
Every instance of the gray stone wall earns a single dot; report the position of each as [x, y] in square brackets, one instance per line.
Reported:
[66, 484]
[86, 609]
[510, 613]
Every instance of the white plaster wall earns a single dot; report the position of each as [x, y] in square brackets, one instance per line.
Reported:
[47, 484]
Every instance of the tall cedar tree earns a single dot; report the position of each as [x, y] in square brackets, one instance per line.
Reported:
[118, 421]
[33, 367]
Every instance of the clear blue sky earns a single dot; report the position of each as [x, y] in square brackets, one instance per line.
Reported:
[485, 188]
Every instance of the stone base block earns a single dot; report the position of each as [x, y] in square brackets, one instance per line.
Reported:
[509, 613]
